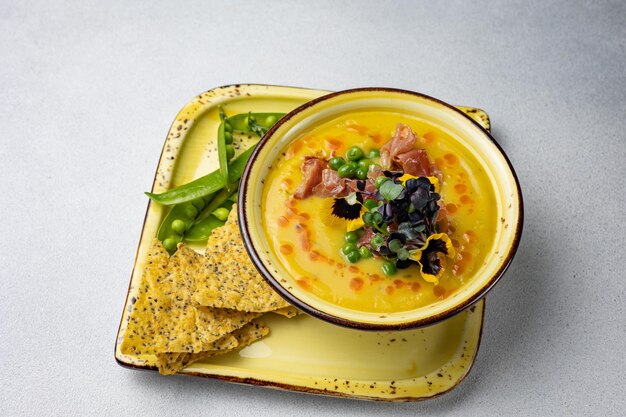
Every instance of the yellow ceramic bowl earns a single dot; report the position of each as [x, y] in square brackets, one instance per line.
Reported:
[473, 137]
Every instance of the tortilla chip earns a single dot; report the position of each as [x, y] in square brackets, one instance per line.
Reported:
[231, 280]
[288, 312]
[163, 319]
[170, 363]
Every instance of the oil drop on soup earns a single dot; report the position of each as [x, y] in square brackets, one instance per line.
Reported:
[431, 235]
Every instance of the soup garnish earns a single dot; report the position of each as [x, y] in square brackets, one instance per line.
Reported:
[389, 208]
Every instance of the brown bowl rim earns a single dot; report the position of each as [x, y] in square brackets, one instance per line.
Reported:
[313, 311]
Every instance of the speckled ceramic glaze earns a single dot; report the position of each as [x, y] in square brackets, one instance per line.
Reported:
[459, 126]
[305, 354]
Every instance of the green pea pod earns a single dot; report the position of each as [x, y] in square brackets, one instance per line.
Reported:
[187, 213]
[221, 150]
[241, 122]
[201, 230]
[205, 185]
[218, 201]
[222, 113]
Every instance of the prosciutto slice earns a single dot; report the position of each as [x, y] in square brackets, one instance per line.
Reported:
[331, 185]
[312, 169]
[402, 141]
[414, 162]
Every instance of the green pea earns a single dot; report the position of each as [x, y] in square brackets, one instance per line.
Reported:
[380, 180]
[364, 164]
[227, 126]
[228, 137]
[364, 252]
[190, 211]
[169, 244]
[353, 257]
[347, 170]
[370, 204]
[352, 237]
[354, 153]
[389, 268]
[234, 197]
[270, 120]
[179, 226]
[374, 153]
[336, 163]
[230, 152]
[348, 247]
[361, 174]
[367, 218]
[376, 217]
[377, 241]
[198, 203]
[395, 245]
[221, 213]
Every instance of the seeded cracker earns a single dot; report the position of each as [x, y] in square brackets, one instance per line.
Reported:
[139, 335]
[288, 312]
[231, 280]
[170, 363]
[163, 318]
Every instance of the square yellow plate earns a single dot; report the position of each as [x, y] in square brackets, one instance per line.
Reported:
[303, 353]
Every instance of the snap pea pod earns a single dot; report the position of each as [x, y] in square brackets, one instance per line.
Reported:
[205, 185]
[218, 200]
[221, 150]
[241, 122]
[179, 219]
[201, 230]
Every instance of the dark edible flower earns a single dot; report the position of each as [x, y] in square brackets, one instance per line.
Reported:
[431, 256]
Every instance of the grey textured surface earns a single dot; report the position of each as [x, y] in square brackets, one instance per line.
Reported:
[88, 90]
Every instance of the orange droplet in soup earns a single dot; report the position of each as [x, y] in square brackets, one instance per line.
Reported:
[305, 216]
[439, 291]
[286, 249]
[286, 183]
[451, 208]
[465, 199]
[291, 203]
[356, 284]
[450, 158]
[282, 221]
[376, 137]
[459, 267]
[304, 283]
[469, 236]
[415, 286]
[466, 255]
[333, 144]
[295, 147]
[353, 269]
[460, 188]
[440, 163]
[305, 243]
[398, 283]
[314, 255]
[361, 130]
[375, 277]
[389, 290]
[428, 137]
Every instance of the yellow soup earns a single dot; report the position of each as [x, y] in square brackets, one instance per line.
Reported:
[310, 249]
